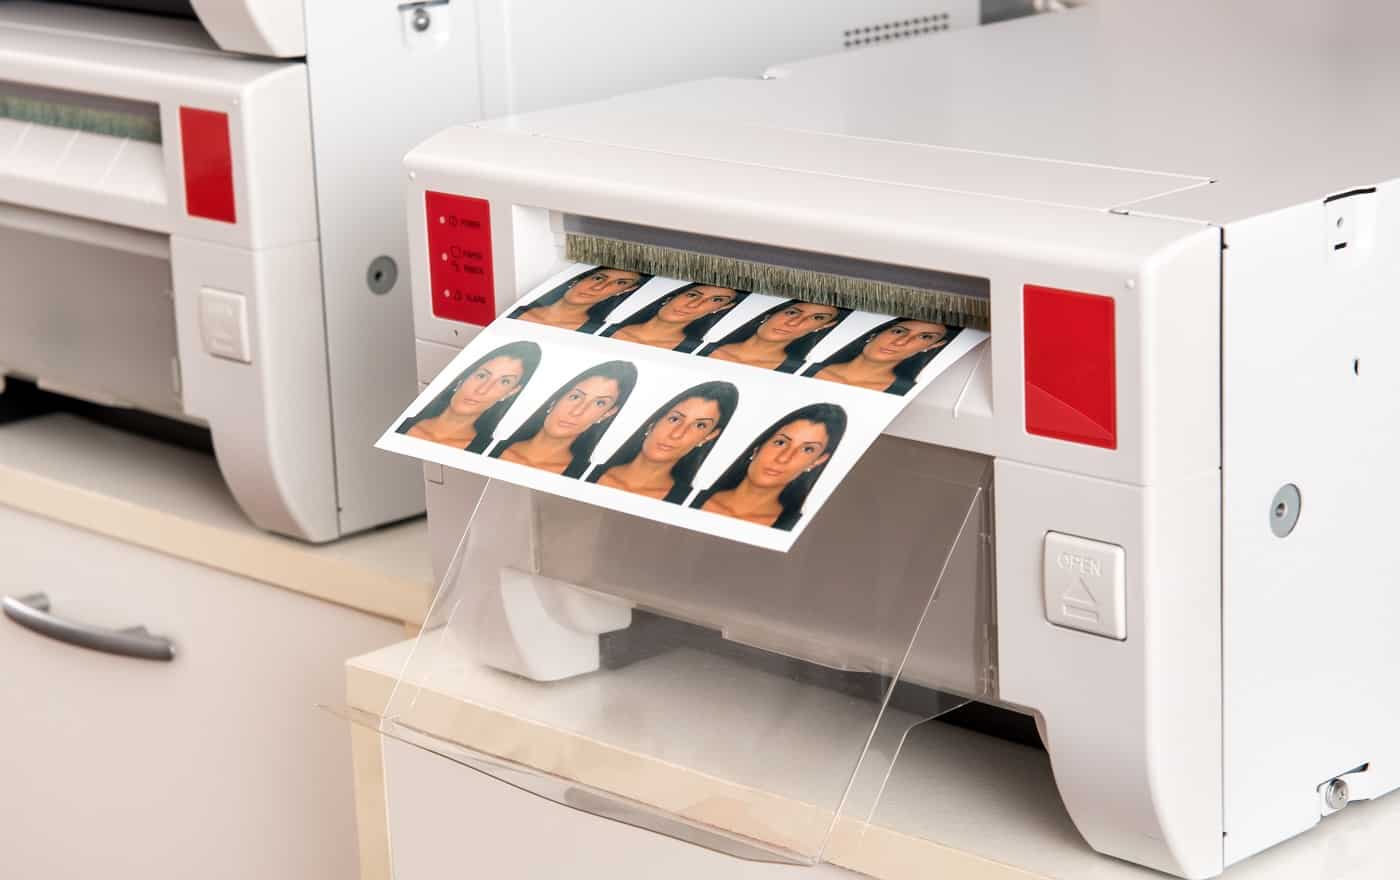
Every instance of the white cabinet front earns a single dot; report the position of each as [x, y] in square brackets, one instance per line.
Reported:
[214, 765]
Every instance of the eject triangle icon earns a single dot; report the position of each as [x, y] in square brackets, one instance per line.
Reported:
[1078, 601]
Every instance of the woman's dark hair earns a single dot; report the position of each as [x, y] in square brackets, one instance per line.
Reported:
[906, 372]
[694, 331]
[795, 352]
[624, 373]
[598, 312]
[528, 353]
[724, 394]
[794, 494]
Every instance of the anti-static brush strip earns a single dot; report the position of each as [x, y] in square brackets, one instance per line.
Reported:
[852, 283]
[76, 111]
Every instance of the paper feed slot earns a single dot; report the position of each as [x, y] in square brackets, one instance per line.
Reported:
[582, 655]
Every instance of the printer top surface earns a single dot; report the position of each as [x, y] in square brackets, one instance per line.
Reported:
[81, 47]
[93, 22]
[1194, 109]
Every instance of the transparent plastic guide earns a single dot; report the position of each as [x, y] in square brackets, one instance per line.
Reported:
[748, 701]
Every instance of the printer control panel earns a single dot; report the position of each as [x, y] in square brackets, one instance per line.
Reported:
[459, 253]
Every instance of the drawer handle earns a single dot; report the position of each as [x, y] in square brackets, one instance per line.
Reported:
[32, 613]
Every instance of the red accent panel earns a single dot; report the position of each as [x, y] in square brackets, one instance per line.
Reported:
[1071, 376]
[459, 253]
[208, 159]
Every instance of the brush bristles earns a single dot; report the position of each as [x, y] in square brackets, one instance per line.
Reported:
[56, 115]
[819, 287]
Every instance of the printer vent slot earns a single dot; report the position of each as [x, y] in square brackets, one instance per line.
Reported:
[882, 32]
[80, 111]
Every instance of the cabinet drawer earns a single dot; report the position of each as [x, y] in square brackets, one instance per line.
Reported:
[215, 765]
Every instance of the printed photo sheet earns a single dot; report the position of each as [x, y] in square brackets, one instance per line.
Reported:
[727, 412]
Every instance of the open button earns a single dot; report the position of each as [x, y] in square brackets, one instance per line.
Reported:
[1084, 585]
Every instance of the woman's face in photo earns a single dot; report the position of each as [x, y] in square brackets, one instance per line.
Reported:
[902, 341]
[597, 286]
[488, 385]
[581, 407]
[697, 302]
[796, 447]
[689, 423]
[795, 321]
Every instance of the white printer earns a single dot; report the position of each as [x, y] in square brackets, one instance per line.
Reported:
[1171, 459]
[200, 199]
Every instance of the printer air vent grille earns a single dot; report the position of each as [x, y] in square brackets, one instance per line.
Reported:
[883, 32]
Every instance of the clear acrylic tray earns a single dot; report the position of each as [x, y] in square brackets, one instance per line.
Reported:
[742, 699]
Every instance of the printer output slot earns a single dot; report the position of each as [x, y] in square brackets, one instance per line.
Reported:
[816, 277]
[80, 111]
[957, 409]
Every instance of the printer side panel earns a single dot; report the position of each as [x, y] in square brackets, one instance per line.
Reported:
[1312, 400]
[1132, 725]
[378, 86]
[248, 318]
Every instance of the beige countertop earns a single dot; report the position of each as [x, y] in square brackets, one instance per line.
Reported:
[174, 501]
[661, 733]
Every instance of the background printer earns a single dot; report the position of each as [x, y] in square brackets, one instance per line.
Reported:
[200, 208]
[1184, 218]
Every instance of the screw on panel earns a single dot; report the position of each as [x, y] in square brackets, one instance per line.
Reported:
[1284, 510]
[421, 20]
[382, 274]
[1337, 794]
